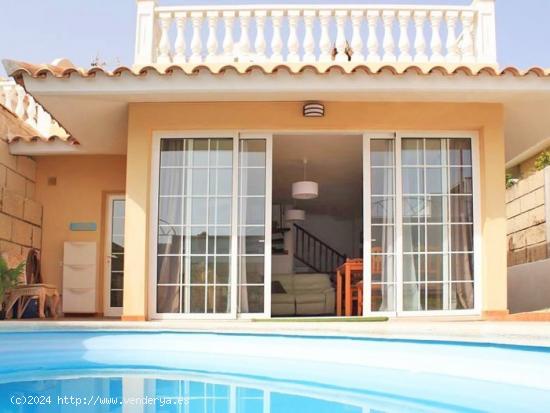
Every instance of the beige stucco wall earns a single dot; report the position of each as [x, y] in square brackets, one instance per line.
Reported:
[20, 214]
[82, 184]
[144, 118]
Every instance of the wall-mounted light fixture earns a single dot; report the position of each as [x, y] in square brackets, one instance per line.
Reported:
[314, 110]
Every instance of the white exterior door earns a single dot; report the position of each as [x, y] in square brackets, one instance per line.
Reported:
[421, 224]
[114, 256]
[211, 230]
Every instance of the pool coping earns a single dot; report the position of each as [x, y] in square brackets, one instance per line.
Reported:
[505, 333]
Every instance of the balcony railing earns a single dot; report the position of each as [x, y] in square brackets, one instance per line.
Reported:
[309, 34]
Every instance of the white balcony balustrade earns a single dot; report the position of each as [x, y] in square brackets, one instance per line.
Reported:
[385, 34]
[14, 98]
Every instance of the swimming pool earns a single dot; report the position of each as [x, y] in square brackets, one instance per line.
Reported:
[113, 371]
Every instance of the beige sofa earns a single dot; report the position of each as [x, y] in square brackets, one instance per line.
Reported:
[306, 294]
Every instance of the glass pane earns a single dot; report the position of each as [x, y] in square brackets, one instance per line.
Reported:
[434, 209]
[414, 267]
[381, 210]
[381, 152]
[460, 152]
[221, 152]
[382, 239]
[434, 181]
[119, 208]
[223, 240]
[435, 267]
[198, 211]
[253, 211]
[222, 302]
[413, 180]
[251, 299]
[199, 155]
[414, 209]
[198, 270]
[435, 236]
[413, 297]
[435, 296]
[223, 211]
[412, 152]
[251, 270]
[171, 181]
[434, 155]
[460, 180]
[382, 297]
[117, 244]
[253, 181]
[170, 240]
[462, 296]
[414, 238]
[251, 240]
[196, 299]
[462, 267]
[252, 152]
[221, 181]
[170, 211]
[116, 298]
[222, 270]
[118, 226]
[462, 238]
[171, 152]
[117, 280]
[382, 269]
[199, 181]
[381, 181]
[169, 270]
[462, 209]
[117, 262]
[198, 240]
[168, 299]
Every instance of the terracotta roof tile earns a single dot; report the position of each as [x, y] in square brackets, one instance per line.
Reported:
[18, 69]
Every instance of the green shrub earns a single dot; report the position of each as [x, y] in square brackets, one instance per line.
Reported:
[542, 161]
[9, 277]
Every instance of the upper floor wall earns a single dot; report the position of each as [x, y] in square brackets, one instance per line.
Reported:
[310, 34]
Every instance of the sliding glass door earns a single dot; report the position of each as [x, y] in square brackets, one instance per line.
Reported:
[420, 223]
[210, 227]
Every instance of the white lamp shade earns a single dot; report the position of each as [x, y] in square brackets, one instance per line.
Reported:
[305, 190]
[295, 215]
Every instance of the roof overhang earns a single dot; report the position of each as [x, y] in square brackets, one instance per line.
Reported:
[93, 104]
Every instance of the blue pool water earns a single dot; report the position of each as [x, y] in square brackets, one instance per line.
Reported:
[104, 371]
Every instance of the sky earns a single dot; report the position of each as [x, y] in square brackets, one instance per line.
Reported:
[39, 31]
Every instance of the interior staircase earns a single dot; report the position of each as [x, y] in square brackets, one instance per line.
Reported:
[314, 253]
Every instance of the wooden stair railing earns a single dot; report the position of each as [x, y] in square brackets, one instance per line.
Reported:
[315, 253]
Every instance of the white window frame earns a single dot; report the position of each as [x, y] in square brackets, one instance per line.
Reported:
[153, 222]
[109, 311]
[398, 239]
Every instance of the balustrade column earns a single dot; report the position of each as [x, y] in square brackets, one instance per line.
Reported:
[244, 41]
[357, 17]
[31, 111]
[179, 45]
[341, 43]
[293, 44]
[453, 51]
[420, 40]
[309, 40]
[20, 102]
[404, 17]
[260, 43]
[324, 40]
[165, 19]
[467, 44]
[196, 41]
[212, 41]
[436, 44]
[276, 40]
[388, 43]
[228, 44]
[372, 42]
[10, 98]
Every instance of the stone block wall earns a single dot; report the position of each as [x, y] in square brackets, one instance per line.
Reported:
[20, 214]
[526, 219]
